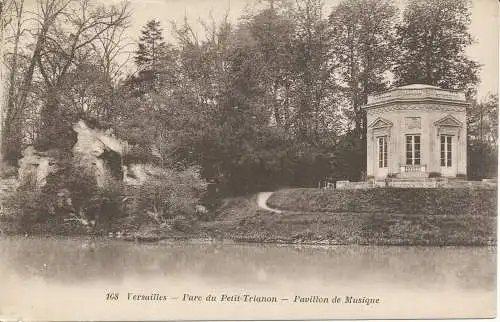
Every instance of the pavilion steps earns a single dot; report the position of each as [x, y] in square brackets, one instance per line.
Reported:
[412, 175]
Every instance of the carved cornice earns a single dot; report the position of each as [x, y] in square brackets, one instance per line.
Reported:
[440, 103]
[416, 106]
[417, 92]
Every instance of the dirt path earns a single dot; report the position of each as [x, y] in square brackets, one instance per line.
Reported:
[262, 201]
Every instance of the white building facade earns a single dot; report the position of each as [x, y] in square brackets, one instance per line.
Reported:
[415, 130]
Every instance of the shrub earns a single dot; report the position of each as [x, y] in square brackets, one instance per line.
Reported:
[482, 161]
[140, 154]
[166, 195]
[70, 202]
[105, 207]
[27, 207]
[182, 223]
[434, 174]
[7, 171]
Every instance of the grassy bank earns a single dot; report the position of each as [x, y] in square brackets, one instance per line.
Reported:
[408, 201]
[329, 217]
[338, 228]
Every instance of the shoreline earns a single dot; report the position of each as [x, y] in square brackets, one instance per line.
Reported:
[207, 241]
[243, 220]
[193, 239]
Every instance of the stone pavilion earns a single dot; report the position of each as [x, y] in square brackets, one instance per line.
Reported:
[415, 130]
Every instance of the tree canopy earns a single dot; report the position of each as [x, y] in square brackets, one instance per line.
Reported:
[272, 99]
[432, 38]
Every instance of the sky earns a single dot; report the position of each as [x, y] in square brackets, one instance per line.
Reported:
[484, 26]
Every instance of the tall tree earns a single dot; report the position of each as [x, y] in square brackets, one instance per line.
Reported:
[68, 47]
[154, 55]
[291, 47]
[362, 40]
[5, 14]
[432, 38]
[314, 87]
[21, 63]
[482, 121]
[270, 34]
[151, 46]
[482, 136]
[44, 48]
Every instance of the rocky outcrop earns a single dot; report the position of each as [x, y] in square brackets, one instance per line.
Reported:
[99, 152]
[95, 142]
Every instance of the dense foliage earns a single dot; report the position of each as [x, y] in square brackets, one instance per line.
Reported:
[482, 131]
[434, 52]
[71, 202]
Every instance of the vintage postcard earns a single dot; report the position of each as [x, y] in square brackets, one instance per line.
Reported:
[248, 159]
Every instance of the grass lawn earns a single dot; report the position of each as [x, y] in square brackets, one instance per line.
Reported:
[420, 201]
[311, 217]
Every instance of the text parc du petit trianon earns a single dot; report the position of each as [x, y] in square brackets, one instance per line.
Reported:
[247, 298]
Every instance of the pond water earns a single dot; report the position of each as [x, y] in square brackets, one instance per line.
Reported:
[69, 279]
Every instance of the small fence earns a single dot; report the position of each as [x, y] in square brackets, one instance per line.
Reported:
[413, 170]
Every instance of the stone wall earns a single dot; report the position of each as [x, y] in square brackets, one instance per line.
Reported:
[420, 183]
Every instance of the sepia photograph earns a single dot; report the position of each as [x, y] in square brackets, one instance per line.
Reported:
[230, 160]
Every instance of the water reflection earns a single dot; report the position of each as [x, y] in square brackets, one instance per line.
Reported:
[68, 279]
[81, 260]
